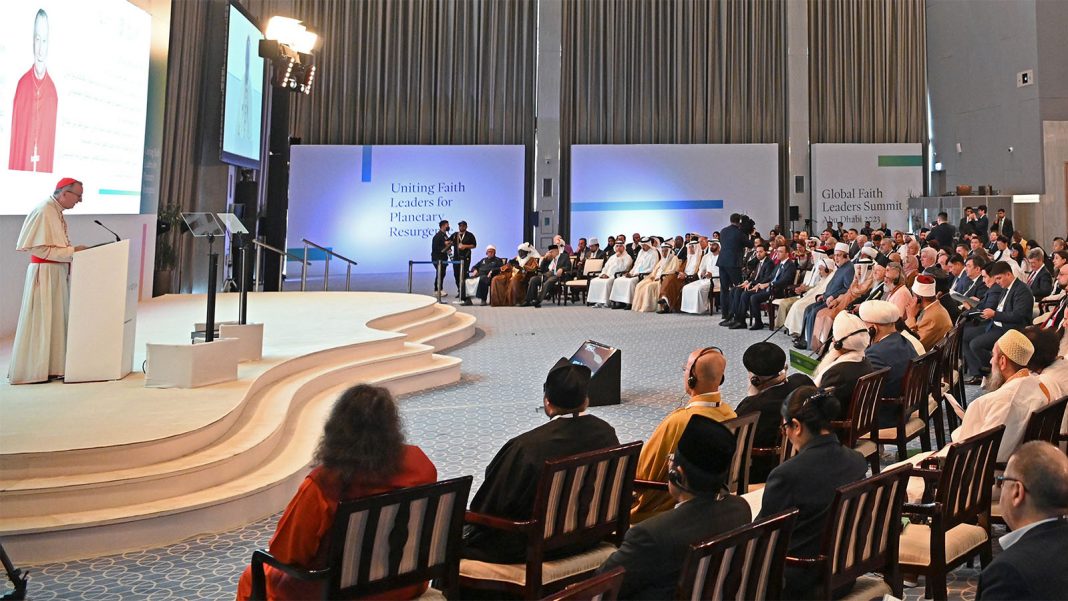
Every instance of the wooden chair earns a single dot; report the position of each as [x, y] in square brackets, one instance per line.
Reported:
[744, 429]
[580, 500]
[912, 407]
[952, 525]
[745, 563]
[861, 536]
[602, 587]
[857, 431]
[374, 549]
[935, 415]
[1043, 424]
[952, 373]
[571, 288]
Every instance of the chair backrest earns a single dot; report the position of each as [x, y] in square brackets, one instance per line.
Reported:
[744, 429]
[863, 532]
[745, 563]
[1045, 423]
[917, 384]
[602, 587]
[863, 407]
[583, 498]
[951, 354]
[397, 539]
[592, 266]
[967, 480]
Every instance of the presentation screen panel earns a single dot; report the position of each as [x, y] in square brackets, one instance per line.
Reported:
[243, 103]
[73, 101]
[380, 205]
[854, 183]
[670, 189]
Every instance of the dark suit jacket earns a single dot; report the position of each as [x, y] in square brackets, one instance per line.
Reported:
[943, 233]
[981, 225]
[763, 275]
[732, 244]
[1016, 314]
[1041, 283]
[840, 281]
[768, 403]
[966, 227]
[843, 376]
[1006, 229]
[781, 278]
[562, 262]
[1036, 567]
[653, 551]
[991, 297]
[894, 352]
[961, 283]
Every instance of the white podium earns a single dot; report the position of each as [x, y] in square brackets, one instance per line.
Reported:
[103, 312]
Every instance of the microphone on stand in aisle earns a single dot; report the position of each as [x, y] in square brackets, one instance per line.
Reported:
[117, 238]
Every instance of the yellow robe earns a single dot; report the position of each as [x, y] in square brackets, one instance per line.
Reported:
[40, 348]
[652, 463]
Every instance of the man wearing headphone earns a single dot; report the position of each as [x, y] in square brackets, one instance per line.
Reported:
[704, 374]
[653, 552]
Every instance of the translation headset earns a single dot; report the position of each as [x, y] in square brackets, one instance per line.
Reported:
[675, 478]
[691, 381]
[840, 343]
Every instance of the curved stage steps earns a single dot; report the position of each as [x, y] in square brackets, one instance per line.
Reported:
[76, 503]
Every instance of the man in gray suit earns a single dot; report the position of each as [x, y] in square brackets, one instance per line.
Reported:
[1013, 312]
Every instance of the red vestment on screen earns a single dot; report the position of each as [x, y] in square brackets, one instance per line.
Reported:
[33, 124]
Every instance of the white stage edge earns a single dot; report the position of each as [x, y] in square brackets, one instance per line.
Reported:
[99, 468]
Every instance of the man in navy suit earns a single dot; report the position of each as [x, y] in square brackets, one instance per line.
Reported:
[1013, 312]
[739, 303]
[1040, 280]
[732, 244]
[1034, 501]
[781, 277]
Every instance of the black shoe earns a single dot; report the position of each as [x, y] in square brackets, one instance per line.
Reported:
[738, 325]
[483, 303]
[757, 326]
[536, 305]
[726, 322]
[974, 381]
[467, 302]
[800, 344]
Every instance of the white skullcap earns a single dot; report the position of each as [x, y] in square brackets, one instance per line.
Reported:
[879, 312]
[851, 330]
[924, 285]
[841, 247]
[491, 247]
[1016, 347]
[527, 246]
[869, 251]
[594, 241]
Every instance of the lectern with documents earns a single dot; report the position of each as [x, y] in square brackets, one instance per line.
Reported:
[103, 312]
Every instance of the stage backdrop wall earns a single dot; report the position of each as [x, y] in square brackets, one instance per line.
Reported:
[380, 205]
[854, 183]
[669, 189]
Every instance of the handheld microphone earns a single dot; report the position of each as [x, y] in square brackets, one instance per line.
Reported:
[117, 238]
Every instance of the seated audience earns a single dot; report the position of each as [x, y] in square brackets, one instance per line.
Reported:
[863, 283]
[482, 273]
[792, 310]
[647, 292]
[1055, 319]
[927, 317]
[762, 269]
[601, 286]
[808, 480]
[653, 551]
[554, 269]
[768, 388]
[623, 288]
[670, 293]
[782, 277]
[1012, 312]
[1033, 563]
[512, 476]
[704, 374]
[696, 295]
[1048, 362]
[361, 453]
[845, 362]
[507, 288]
[837, 286]
[1039, 280]
[888, 349]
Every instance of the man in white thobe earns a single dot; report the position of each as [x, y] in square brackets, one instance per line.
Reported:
[601, 286]
[795, 318]
[40, 348]
[623, 288]
[695, 294]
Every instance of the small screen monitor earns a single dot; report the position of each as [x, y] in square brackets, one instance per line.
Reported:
[243, 97]
[592, 354]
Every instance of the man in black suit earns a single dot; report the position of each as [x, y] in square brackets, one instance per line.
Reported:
[982, 222]
[440, 247]
[1040, 280]
[782, 276]
[555, 268]
[1013, 312]
[1004, 224]
[1034, 501]
[653, 551]
[967, 223]
[732, 244]
[739, 295]
[943, 232]
[635, 245]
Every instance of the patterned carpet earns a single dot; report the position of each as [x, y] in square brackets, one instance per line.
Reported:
[460, 427]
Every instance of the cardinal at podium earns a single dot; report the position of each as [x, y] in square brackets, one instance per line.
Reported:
[40, 348]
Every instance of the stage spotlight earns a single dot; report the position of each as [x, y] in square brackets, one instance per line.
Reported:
[288, 46]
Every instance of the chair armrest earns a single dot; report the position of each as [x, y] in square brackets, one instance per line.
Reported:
[765, 451]
[259, 579]
[806, 562]
[924, 509]
[650, 484]
[886, 400]
[490, 521]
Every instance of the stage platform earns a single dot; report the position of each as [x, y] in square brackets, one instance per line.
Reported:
[96, 468]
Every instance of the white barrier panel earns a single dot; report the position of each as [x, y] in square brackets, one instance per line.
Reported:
[669, 189]
[380, 205]
[854, 183]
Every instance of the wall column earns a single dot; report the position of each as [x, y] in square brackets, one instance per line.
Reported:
[546, 193]
[797, 111]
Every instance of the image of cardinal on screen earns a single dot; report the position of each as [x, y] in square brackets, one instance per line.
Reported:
[33, 113]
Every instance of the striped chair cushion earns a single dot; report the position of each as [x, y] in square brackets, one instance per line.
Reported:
[552, 570]
[916, 543]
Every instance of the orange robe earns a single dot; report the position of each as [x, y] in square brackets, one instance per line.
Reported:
[302, 536]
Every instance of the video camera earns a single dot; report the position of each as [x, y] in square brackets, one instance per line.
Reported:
[746, 224]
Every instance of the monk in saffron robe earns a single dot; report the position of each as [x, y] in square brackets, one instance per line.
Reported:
[40, 348]
[33, 114]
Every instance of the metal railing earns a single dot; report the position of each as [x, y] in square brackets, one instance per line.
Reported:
[259, 262]
[326, 266]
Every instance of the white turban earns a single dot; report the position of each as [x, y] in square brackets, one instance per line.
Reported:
[491, 247]
[851, 331]
[879, 312]
[924, 286]
[841, 247]
[869, 251]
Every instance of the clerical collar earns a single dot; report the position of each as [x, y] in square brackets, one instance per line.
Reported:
[708, 399]
[567, 415]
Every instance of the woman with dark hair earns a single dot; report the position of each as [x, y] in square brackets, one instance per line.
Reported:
[362, 453]
[1018, 254]
[808, 480]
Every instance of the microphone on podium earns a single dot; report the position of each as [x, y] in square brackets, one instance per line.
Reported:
[117, 238]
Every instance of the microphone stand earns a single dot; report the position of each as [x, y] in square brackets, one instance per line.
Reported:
[242, 308]
[213, 270]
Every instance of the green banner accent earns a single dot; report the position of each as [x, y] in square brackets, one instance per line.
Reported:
[900, 160]
[803, 363]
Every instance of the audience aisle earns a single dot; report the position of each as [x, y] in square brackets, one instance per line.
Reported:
[460, 427]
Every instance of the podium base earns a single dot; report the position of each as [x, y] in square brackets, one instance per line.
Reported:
[249, 338]
[191, 365]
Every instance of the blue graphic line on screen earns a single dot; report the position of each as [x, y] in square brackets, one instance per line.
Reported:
[108, 192]
[365, 167]
[647, 205]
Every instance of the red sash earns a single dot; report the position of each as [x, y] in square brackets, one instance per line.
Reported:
[36, 259]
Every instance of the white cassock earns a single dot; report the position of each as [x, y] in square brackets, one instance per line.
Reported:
[601, 287]
[40, 347]
[795, 319]
[695, 294]
[623, 288]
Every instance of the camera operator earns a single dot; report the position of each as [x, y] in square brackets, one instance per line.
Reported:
[733, 240]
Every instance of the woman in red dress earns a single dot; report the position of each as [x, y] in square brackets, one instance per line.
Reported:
[362, 453]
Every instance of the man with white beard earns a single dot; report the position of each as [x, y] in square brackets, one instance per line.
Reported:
[623, 288]
[844, 363]
[695, 294]
[795, 313]
[601, 286]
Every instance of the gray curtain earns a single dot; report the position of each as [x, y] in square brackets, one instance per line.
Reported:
[416, 71]
[867, 71]
[671, 72]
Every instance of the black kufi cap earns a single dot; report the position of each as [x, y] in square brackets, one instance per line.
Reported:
[567, 384]
[704, 452]
[764, 359]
